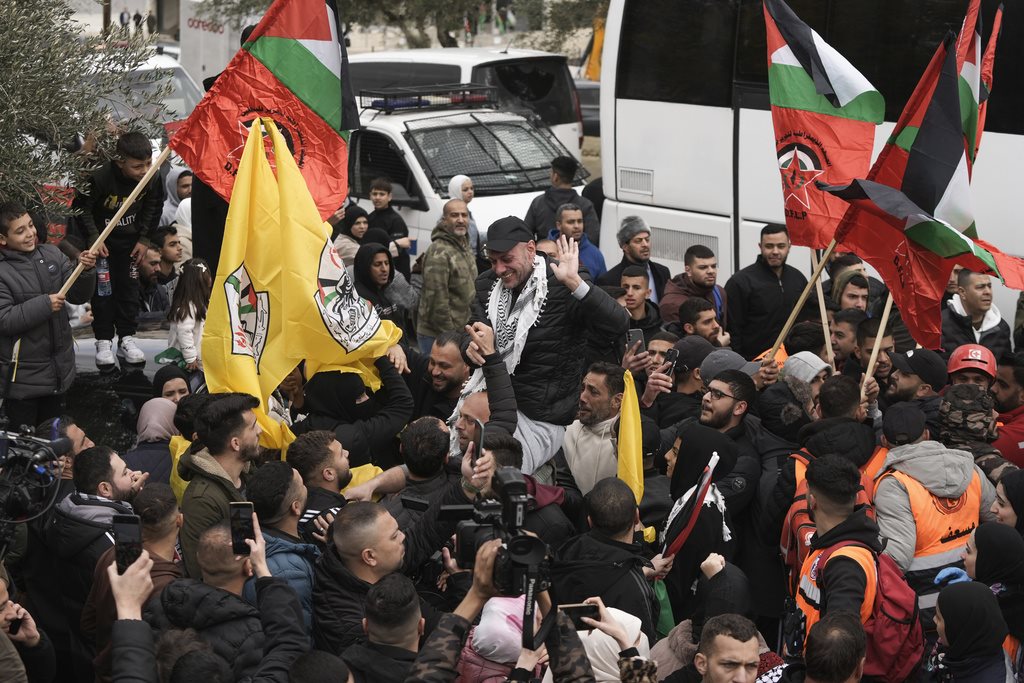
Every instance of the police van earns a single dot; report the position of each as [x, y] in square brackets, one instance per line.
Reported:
[420, 137]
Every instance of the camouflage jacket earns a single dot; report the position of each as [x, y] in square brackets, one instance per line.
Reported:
[449, 276]
[438, 659]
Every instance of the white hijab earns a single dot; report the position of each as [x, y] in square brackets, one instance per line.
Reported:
[455, 186]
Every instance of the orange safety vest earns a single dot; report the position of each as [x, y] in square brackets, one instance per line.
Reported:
[944, 526]
[808, 595]
[873, 467]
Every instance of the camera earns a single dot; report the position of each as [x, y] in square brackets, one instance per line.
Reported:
[28, 480]
[522, 564]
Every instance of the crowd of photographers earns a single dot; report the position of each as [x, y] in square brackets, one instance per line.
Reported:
[470, 520]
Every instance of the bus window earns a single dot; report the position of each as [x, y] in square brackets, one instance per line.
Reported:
[904, 38]
[542, 85]
[680, 51]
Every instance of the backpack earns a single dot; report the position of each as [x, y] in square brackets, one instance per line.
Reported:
[895, 641]
[798, 528]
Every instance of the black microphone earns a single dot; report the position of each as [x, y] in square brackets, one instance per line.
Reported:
[52, 450]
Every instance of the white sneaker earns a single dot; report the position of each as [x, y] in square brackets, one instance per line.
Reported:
[128, 349]
[104, 352]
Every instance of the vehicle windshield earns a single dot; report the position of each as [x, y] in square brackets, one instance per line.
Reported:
[542, 85]
[179, 102]
[501, 155]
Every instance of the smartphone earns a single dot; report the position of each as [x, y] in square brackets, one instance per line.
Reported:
[14, 626]
[634, 336]
[127, 540]
[241, 527]
[671, 357]
[478, 442]
[578, 611]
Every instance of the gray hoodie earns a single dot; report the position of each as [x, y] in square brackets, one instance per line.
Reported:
[945, 472]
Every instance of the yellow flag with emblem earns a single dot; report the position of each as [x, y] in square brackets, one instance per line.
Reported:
[282, 295]
[329, 324]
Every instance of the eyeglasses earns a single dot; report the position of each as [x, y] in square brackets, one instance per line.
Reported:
[717, 395]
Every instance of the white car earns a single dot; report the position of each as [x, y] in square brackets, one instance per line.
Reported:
[418, 142]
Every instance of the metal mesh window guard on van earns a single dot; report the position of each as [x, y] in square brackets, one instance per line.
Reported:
[501, 154]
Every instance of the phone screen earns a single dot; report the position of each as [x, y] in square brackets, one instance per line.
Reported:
[127, 540]
[577, 612]
[241, 527]
[671, 357]
[478, 442]
[634, 336]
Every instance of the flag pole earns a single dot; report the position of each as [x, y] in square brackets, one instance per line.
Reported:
[801, 301]
[125, 205]
[824, 313]
[883, 321]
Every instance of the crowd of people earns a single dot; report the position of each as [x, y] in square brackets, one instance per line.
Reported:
[807, 513]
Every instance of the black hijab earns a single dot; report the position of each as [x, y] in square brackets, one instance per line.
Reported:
[974, 624]
[1000, 555]
[165, 375]
[1013, 485]
[695, 451]
[352, 213]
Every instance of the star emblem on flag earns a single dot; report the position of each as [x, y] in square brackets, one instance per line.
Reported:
[796, 179]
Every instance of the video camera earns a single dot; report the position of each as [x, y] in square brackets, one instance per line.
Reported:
[28, 483]
[522, 565]
[522, 557]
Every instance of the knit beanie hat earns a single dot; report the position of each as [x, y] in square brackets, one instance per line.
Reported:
[804, 366]
[630, 228]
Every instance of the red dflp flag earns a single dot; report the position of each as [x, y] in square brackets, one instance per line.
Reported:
[294, 70]
[824, 112]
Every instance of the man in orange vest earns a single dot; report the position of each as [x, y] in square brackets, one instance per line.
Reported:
[928, 500]
[848, 580]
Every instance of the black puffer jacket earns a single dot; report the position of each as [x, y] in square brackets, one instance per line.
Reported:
[227, 622]
[843, 436]
[593, 564]
[547, 379]
[46, 361]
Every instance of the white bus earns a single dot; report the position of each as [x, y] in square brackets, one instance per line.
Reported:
[687, 140]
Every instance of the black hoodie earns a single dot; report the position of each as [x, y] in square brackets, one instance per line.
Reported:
[594, 564]
[368, 289]
[377, 663]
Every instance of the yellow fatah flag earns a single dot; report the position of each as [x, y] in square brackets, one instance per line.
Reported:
[282, 295]
[329, 324]
[243, 346]
[631, 440]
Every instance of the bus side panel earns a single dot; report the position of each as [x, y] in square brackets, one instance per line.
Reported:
[680, 157]
[672, 233]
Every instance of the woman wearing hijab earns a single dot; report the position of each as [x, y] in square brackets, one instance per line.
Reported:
[461, 187]
[350, 233]
[971, 633]
[183, 221]
[152, 452]
[691, 453]
[1009, 504]
[995, 557]
[171, 382]
[179, 187]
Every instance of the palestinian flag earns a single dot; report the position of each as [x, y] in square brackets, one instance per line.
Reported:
[988, 64]
[294, 70]
[968, 61]
[825, 113]
[908, 218]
